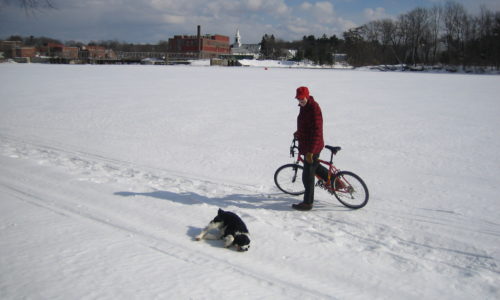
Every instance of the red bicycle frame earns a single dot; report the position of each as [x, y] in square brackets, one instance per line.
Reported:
[332, 170]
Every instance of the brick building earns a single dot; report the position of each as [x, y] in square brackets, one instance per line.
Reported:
[96, 52]
[55, 52]
[25, 52]
[9, 47]
[198, 46]
[52, 50]
[70, 52]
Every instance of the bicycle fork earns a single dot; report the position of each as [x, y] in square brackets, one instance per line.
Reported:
[295, 169]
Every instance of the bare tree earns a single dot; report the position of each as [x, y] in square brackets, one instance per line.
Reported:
[29, 5]
[383, 33]
[387, 31]
[418, 30]
[403, 34]
[455, 24]
[486, 36]
[435, 21]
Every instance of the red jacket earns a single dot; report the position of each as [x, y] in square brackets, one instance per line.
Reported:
[310, 128]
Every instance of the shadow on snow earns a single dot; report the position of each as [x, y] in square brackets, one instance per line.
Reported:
[257, 201]
[238, 200]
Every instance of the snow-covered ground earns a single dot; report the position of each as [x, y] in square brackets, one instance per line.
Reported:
[108, 172]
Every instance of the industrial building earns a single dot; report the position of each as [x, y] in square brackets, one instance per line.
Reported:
[199, 46]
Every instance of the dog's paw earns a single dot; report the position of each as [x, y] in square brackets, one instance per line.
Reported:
[197, 238]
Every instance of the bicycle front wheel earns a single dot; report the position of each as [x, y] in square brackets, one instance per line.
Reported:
[288, 179]
[350, 189]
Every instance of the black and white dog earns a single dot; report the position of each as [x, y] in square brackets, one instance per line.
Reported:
[231, 229]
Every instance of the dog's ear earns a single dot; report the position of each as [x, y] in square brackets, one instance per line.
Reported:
[220, 212]
[241, 240]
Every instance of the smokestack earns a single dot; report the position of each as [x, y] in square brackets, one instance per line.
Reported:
[199, 41]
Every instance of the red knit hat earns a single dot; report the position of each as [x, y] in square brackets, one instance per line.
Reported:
[302, 92]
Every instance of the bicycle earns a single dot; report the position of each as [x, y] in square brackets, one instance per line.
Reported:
[347, 187]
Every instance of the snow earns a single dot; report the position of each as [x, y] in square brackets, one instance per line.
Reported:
[107, 173]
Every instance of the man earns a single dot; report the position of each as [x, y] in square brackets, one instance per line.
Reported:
[310, 136]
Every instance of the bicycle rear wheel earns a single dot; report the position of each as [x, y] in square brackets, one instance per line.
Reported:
[288, 178]
[350, 189]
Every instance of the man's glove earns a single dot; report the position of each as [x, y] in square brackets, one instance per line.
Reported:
[309, 158]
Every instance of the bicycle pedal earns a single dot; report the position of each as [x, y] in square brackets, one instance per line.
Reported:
[320, 183]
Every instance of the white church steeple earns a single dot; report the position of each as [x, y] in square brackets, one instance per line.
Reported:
[237, 39]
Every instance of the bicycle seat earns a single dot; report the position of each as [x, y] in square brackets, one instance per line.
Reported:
[333, 149]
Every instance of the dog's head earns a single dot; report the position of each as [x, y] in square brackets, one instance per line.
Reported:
[241, 242]
[218, 218]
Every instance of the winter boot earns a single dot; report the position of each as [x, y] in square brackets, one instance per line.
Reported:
[302, 206]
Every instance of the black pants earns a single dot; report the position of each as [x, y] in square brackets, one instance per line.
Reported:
[308, 177]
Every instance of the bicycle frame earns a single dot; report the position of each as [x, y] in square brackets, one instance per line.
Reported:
[332, 170]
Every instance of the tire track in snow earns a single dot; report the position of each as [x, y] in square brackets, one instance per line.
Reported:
[101, 169]
[402, 245]
[151, 241]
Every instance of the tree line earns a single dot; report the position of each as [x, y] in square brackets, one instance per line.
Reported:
[444, 34]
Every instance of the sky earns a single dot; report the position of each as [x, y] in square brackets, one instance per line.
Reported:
[151, 21]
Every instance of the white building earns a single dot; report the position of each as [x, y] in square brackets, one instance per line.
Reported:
[239, 49]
